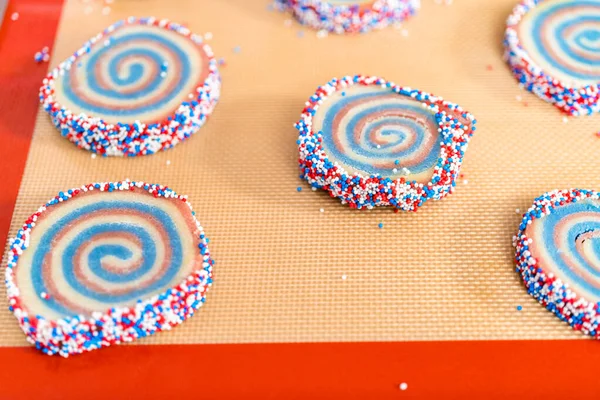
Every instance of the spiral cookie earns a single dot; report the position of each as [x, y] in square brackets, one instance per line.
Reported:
[372, 143]
[350, 16]
[553, 49]
[140, 86]
[558, 256]
[107, 263]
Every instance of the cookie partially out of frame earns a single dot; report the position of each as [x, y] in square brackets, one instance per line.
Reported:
[558, 256]
[139, 86]
[372, 143]
[107, 263]
[350, 16]
[552, 49]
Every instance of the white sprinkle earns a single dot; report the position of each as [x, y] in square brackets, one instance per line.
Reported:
[519, 98]
[322, 33]
[314, 189]
[395, 170]
[14, 16]
[168, 162]
[106, 10]
[322, 210]
[404, 32]
[518, 211]
[466, 182]
[163, 74]
[107, 42]
[403, 386]
[287, 22]
[208, 35]
[565, 120]
[378, 146]
[405, 170]
[344, 277]
[93, 155]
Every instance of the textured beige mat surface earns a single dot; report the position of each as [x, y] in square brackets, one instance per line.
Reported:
[443, 273]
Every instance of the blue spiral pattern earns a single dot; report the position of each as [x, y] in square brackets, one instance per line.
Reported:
[132, 74]
[565, 38]
[559, 239]
[41, 262]
[377, 132]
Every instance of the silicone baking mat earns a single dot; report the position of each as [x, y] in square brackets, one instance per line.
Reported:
[443, 273]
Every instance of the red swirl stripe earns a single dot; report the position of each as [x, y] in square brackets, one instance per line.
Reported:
[562, 227]
[47, 266]
[80, 90]
[402, 113]
[148, 62]
[547, 36]
[580, 247]
[582, 53]
[125, 236]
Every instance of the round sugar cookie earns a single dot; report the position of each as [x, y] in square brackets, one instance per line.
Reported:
[372, 143]
[553, 49]
[558, 256]
[107, 263]
[140, 86]
[350, 16]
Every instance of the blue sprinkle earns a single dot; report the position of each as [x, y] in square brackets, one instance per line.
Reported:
[299, 189]
[237, 49]
[380, 225]
[519, 308]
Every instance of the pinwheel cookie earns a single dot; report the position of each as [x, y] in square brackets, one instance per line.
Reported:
[558, 256]
[372, 143]
[107, 263]
[553, 49]
[140, 86]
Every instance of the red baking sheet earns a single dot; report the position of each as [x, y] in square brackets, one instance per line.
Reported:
[448, 370]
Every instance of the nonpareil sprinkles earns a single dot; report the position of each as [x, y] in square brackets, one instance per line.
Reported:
[557, 250]
[107, 263]
[551, 48]
[349, 16]
[370, 142]
[140, 86]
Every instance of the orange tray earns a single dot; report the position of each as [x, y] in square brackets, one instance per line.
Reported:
[366, 370]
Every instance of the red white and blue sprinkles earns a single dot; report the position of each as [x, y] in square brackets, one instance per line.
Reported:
[558, 256]
[140, 86]
[350, 16]
[120, 261]
[552, 49]
[370, 142]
